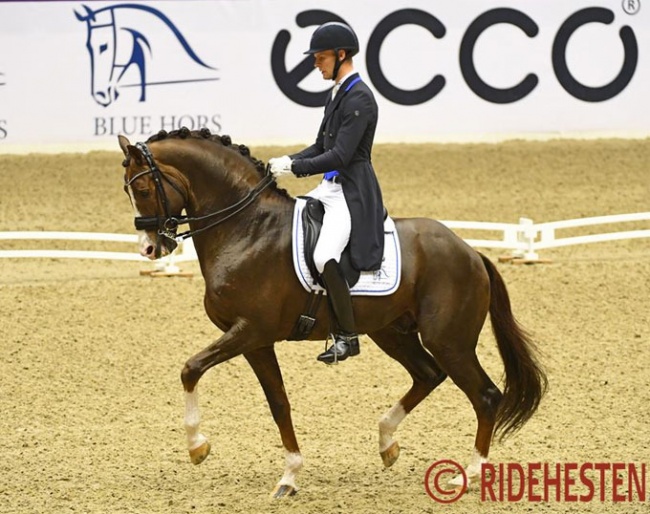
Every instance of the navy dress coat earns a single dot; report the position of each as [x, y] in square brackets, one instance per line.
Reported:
[344, 143]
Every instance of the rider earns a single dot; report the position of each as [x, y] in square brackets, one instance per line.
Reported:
[349, 190]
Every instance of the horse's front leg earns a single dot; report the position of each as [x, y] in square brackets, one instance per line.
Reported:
[265, 365]
[239, 339]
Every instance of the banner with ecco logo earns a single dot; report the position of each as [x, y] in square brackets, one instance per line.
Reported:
[77, 74]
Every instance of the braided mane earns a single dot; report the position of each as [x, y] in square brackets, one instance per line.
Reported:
[225, 140]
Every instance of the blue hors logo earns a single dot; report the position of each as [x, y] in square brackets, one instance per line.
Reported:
[121, 54]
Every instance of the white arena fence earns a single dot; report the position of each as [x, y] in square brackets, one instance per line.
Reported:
[522, 240]
[184, 252]
[525, 238]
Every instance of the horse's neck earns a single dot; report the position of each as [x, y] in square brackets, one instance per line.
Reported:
[210, 193]
[262, 229]
[211, 187]
[214, 190]
[219, 182]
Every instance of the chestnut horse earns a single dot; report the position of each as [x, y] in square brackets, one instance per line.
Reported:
[241, 226]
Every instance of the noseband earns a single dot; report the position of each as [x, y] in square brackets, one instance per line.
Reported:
[166, 225]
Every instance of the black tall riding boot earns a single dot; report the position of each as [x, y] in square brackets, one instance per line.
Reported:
[346, 341]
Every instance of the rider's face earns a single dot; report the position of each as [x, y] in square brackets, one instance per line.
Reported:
[325, 61]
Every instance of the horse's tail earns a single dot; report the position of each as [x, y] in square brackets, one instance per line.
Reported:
[525, 380]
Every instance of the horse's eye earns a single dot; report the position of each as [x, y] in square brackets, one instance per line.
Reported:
[142, 193]
[103, 48]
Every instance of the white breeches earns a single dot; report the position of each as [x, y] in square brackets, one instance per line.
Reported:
[335, 234]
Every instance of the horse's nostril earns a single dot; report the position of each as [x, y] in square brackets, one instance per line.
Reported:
[150, 250]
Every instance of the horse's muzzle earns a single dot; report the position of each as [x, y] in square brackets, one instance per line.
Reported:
[161, 246]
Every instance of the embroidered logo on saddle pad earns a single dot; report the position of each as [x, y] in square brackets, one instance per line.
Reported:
[371, 283]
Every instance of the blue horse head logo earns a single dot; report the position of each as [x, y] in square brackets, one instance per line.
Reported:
[116, 47]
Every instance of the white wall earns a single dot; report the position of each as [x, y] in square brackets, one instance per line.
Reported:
[46, 70]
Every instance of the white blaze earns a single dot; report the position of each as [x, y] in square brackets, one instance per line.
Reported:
[144, 241]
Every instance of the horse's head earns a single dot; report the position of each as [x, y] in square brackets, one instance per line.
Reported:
[205, 174]
[158, 196]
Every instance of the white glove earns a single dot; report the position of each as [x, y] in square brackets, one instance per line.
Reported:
[280, 165]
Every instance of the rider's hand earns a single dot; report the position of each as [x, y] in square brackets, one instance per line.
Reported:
[280, 165]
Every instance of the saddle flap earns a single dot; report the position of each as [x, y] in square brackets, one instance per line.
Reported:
[312, 223]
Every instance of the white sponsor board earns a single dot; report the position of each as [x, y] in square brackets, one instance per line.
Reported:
[79, 73]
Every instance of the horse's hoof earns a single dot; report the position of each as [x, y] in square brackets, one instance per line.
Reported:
[460, 482]
[283, 491]
[390, 455]
[200, 453]
[459, 491]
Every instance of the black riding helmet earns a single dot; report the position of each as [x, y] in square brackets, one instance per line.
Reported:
[335, 36]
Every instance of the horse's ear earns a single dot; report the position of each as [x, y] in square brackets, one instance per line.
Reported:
[131, 151]
[124, 144]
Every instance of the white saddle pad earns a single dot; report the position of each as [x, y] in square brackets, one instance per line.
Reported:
[371, 283]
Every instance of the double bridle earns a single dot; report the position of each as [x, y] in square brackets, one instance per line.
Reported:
[166, 225]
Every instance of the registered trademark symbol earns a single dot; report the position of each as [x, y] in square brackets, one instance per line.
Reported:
[631, 6]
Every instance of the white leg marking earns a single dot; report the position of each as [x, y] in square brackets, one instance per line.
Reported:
[293, 464]
[192, 420]
[388, 424]
[473, 470]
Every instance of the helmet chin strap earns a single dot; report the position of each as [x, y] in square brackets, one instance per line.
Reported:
[337, 66]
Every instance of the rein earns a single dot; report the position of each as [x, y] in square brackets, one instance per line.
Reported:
[165, 225]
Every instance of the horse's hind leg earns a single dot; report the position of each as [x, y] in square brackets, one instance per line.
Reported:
[455, 352]
[266, 368]
[485, 398]
[407, 350]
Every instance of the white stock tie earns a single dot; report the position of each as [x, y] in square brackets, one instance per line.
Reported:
[335, 90]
